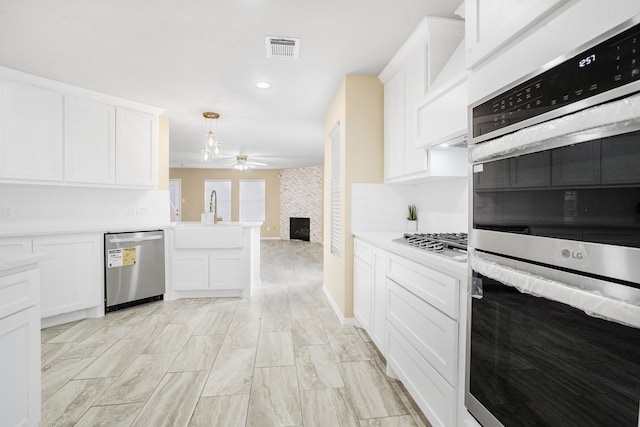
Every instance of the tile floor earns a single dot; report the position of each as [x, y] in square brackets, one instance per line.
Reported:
[279, 358]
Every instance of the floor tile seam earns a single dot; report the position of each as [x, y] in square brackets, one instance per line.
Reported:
[204, 383]
[253, 376]
[94, 400]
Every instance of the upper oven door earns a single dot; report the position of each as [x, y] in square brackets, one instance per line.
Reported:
[575, 206]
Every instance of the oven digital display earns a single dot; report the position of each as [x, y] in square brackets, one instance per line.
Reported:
[610, 64]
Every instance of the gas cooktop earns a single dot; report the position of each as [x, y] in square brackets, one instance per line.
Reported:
[450, 245]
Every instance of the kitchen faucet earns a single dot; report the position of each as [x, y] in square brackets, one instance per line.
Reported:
[213, 206]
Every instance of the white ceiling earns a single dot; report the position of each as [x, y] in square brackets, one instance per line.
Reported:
[190, 56]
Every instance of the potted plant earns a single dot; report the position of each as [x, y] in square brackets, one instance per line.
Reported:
[412, 218]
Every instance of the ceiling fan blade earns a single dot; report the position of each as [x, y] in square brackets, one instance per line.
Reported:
[256, 163]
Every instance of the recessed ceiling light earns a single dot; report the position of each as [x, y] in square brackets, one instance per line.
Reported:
[263, 85]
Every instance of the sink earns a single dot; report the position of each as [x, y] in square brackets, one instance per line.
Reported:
[208, 236]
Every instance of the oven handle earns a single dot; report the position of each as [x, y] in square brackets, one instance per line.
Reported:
[591, 302]
[590, 123]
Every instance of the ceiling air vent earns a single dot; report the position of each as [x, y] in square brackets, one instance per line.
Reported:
[282, 47]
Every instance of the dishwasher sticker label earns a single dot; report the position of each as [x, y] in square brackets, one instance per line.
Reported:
[121, 257]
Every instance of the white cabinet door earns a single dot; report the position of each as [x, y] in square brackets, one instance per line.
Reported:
[73, 275]
[443, 114]
[394, 126]
[362, 293]
[136, 148]
[415, 70]
[20, 368]
[89, 136]
[226, 272]
[30, 133]
[492, 24]
[378, 314]
[191, 271]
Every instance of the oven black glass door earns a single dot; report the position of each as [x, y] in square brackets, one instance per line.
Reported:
[588, 192]
[536, 362]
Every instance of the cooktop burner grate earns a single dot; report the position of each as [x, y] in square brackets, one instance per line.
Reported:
[451, 245]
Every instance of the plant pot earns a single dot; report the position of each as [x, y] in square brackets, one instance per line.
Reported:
[412, 225]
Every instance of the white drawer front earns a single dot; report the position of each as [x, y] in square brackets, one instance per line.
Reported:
[432, 393]
[19, 291]
[433, 334]
[362, 250]
[438, 289]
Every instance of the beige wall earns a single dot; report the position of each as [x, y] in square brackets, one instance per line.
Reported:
[358, 106]
[163, 153]
[193, 193]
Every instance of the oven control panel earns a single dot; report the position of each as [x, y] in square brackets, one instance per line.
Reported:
[605, 66]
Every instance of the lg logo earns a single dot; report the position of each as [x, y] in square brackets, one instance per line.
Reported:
[569, 254]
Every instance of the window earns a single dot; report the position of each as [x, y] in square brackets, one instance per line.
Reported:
[335, 189]
[223, 192]
[252, 200]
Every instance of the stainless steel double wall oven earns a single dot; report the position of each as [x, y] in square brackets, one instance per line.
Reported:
[554, 313]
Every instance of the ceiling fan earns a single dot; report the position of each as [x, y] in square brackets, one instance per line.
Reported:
[242, 163]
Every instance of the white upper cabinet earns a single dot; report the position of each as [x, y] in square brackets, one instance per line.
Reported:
[30, 132]
[442, 115]
[90, 141]
[492, 24]
[136, 148]
[407, 78]
[65, 135]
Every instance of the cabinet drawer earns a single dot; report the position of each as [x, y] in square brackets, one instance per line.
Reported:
[362, 250]
[432, 393]
[431, 333]
[19, 291]
[438, 289]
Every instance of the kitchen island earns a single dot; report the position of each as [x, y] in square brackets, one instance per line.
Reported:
[20, 339]
[212, 260]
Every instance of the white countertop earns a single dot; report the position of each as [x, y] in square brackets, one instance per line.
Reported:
[246, 224]
[384, 240]
[47, 230]
[9, 262]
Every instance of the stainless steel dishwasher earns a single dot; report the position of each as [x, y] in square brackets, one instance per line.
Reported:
[133, 268]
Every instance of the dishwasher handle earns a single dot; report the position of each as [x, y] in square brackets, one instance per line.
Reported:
[135, 239]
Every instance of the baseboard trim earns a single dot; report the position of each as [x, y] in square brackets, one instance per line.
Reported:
[345, 321]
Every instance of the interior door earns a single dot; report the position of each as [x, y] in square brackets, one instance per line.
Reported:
[175, 198]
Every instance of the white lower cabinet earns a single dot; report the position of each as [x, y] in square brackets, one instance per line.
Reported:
[20, 344]
[72, 276]
[433, 334]
[198, 270]
[362, 293]
[225, 272]
[433, 394]
[191, 271]
[412, 312]
[378, 313]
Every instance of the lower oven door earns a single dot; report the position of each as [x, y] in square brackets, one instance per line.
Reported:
[535, 361]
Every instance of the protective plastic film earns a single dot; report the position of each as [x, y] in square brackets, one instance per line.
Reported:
[591, 302]
[623, 112]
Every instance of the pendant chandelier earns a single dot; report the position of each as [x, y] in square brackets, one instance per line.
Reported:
[211, 145]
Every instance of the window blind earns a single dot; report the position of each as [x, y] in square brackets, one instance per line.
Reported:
[336, 197]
